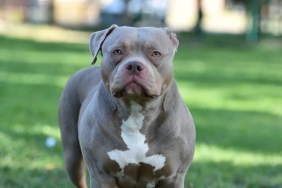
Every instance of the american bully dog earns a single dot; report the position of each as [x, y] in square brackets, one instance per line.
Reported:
[125, 120]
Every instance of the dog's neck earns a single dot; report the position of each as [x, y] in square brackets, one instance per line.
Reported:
[128, 106]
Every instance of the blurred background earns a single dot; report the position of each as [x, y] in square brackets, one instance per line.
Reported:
[228, 68]
[252, 17]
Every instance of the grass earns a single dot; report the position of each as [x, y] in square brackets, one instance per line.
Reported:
[233, 91]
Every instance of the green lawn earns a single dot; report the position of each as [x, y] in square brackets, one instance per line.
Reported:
[234, 93]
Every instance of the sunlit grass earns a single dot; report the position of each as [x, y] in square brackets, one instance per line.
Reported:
[264, 98]
[212, 153]
[234, 94]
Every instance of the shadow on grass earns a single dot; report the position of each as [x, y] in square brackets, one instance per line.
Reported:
[223, 79]
[27, 44]
[45, 68]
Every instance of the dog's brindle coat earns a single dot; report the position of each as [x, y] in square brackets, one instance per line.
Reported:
[126, 120]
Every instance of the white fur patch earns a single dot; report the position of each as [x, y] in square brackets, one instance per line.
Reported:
[135, 141]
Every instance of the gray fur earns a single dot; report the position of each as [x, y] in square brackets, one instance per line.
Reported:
[96, 101]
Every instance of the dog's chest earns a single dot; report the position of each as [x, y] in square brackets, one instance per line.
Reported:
[135, 164]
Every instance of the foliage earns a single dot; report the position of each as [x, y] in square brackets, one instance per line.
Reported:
[233, 91]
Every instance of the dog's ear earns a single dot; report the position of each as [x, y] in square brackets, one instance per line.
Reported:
[96, 41]
[173, 38]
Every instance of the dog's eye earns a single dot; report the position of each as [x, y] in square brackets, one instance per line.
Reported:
[156, 54]
[117, 52]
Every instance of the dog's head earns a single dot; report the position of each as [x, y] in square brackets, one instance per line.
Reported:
[137, 62]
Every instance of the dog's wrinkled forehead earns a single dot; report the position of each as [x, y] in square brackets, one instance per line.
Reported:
[132, 37]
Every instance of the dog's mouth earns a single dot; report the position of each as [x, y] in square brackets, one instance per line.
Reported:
[133, 89]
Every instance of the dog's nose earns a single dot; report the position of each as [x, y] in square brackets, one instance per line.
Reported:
[134, 67]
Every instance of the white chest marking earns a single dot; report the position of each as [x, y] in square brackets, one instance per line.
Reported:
[135, 141]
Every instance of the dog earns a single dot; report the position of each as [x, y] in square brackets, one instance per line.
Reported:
[125, 121]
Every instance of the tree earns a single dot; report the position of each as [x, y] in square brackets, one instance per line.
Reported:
[198, 27]
[253, 8]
